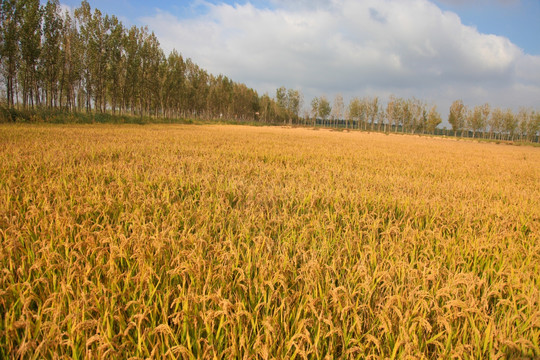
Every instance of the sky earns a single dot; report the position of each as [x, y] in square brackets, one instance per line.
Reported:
[435, 50]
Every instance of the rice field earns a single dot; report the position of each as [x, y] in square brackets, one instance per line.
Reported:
[233, 242]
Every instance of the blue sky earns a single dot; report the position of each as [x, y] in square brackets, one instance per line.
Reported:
[517, 20]
[436, 50]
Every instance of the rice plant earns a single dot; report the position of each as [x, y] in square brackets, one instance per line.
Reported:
[187, 242]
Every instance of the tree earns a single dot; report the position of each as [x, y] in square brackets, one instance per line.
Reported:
[281, 97]
[174, 87]
[84, 17]
[433, 119]
[70, 74]
[406, 115]
[51, 64]
[372, 110]
[533, 126]
[151, 58]
[393, 112]
[523, 119]
[305, 116]
[281, 100]
[114, 81]
[97, 53]
[496, 122]
[294, 102]
[476, 119]
[354, 110]
[93, 62]
[324, 109]
[486, 109]
[381, 116]
[456, 116]
[9, 47]
[289, 103]
[30, 47]
[338, 109]
[198, 89]
[132, 60]
[416, 115]
[509, 124]
[315, 109]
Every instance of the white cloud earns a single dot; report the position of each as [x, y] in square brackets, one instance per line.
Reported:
[474, 2]
[358, 48]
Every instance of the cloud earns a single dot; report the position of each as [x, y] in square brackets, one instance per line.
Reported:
[478, 2]
[357, 48]
[299, 4]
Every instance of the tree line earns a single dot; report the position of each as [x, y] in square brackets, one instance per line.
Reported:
[416, 117]
[87, 61]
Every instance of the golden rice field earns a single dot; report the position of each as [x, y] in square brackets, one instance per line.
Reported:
[230, 242]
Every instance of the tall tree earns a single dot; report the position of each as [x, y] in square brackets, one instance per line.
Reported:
[288, 103]
[392, 112]
[97, 52]
[496, 122]
[338, 109]
[381, 119]
[373, 110]
[433, 119]
[174, 84]
[294, 102]
[476, 119]
[324, 108]
[70, 74]
[30, 47]
[315, 109]
[417, 116]
[281, 97]
[9, 47]
[83, 14]
[509, 124]
[93, 62]
[131, 89]
[198, 89]
[281, 100]
[486, 109]
[151, 58]
[353, 111]
[533, 126]
[406, 115]
[115, 62]
[266, 108]
[51, 64]
[456, 116]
